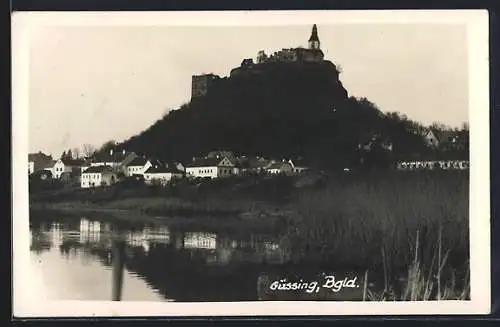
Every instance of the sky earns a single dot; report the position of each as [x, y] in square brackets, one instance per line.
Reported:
[92, 84]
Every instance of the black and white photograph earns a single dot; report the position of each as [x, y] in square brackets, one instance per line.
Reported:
[250, 163]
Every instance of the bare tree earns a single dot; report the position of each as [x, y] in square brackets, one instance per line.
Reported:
[76, 153]
[88, 150]
[439, 126]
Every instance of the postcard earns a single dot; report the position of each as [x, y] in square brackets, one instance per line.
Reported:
[250, 163]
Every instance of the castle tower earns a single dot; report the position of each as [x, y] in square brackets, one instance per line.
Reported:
[314, 40]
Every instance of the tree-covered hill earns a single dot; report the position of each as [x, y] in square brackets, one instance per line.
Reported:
[278, 110]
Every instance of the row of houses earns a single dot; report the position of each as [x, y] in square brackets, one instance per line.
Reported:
[107, 168]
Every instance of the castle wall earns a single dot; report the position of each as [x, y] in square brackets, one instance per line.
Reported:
[201, 84]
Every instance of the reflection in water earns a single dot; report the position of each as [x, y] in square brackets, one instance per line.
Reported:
[118, 265]
[146, 262]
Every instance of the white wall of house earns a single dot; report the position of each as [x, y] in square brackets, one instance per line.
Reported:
[60, 168]
[138, 170]
[223, 169]
[97, 179]
[160, 177]
[285, 168]
[105, 163]
[431, 139]
[211, 172]
[31, 167]
[180, 167]
[200, 241]
[273, 171]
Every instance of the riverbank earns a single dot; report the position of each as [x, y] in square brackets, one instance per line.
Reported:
[387, 222]
[176, 213]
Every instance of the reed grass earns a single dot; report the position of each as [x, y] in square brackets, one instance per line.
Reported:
[410, 227]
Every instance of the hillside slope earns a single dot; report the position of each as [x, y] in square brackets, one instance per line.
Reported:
[273, 110]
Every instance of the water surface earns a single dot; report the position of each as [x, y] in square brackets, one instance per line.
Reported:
[91, 259]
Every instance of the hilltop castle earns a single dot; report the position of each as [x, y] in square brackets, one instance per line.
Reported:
[201, 84]
[312, 54]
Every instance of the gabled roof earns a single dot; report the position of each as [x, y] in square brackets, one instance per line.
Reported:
[163, 170]
[39, 156]
[138, 161]
[73, 162]
[252, 162]
[48, 164]
[98, 169]
[207, 162]
[277, 165]
[444, 136]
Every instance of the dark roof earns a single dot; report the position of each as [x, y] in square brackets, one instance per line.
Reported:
[48, 164]
[73, 162]
[97, 169]
[252, 162]
[39, 156]
[277, 165]
[205, 162]
[163, 169]
[138, 161]
[444, 136]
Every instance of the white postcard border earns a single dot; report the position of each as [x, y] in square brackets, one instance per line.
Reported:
[27, 304]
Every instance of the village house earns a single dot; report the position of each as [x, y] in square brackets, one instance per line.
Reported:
[68, 166]
[162, 174]
[200, 241]
[431, 139]
[117, 160]
[298, 166]
[38, 161]
[97, 176]
[280, 167]
[214, 167]
[251, 165]
[138, 166]
[445, 140]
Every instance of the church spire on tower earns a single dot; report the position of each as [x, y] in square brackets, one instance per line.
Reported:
[314, 40]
